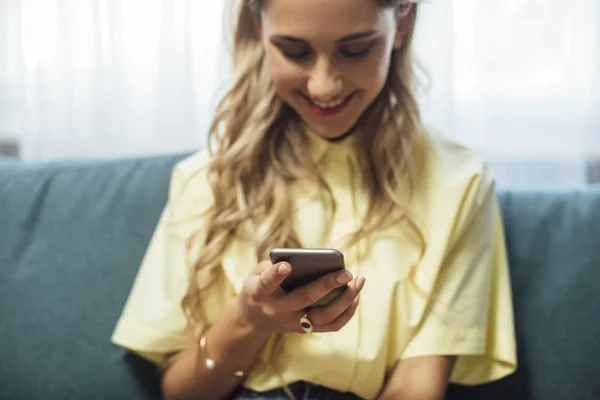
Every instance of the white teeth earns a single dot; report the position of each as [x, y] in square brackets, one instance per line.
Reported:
[328, 105]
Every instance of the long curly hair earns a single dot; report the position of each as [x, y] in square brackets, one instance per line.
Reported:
[258, 152]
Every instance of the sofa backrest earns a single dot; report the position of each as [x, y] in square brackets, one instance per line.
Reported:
[553, 241]
[72, 236]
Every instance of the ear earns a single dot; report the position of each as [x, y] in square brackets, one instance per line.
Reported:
[402, 23]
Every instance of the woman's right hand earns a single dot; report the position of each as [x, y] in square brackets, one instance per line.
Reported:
[267, 307]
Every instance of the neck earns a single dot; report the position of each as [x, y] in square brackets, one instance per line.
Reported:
[341, 137]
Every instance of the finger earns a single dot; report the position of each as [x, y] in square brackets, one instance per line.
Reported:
[340, 321]
[328, 313]
[269, 280]
[262, 267]
[294, 323]
[304, 296]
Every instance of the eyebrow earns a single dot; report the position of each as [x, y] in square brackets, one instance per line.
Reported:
[349, 38]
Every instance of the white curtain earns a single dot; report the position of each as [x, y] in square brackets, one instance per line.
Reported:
[108, 78]
[519, 80]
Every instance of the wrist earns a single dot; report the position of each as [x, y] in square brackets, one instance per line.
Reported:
[233, 344]
[243, 320]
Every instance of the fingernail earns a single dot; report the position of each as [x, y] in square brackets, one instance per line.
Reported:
[344, 277]
[284, 269]
[360, 282]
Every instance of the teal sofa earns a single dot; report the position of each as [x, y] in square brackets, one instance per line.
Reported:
[72, 236]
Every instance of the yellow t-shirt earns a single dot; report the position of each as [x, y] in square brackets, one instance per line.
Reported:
[466, 310]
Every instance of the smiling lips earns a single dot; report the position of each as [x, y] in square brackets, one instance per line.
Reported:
[330, 108]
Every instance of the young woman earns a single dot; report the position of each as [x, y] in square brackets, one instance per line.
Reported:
[319, 144]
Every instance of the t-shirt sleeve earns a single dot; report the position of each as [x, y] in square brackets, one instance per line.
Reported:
[153, 323]
[470, 312]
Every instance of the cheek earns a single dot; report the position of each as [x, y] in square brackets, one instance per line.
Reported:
[376, 72]
[286, 76]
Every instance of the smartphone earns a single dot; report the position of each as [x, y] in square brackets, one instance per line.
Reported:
[309, 265]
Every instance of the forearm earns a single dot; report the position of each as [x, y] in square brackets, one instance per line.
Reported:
[423, 378]
[232, 343]
[412, 393]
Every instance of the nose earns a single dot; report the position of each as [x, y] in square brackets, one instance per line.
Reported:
[324, 84]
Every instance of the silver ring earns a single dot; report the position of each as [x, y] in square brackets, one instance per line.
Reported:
[306, 324]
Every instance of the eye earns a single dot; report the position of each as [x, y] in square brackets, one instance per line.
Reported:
[356, 51]
[296, 53]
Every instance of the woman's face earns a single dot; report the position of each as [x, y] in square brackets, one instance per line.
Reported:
[329, 59]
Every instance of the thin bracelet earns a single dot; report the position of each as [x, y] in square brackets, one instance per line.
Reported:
[210, 363]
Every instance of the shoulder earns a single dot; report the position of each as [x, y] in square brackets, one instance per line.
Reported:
[445, 165]
[450, 180]
[192, 168]
[190, 192]
[449, 162]
[190, 175]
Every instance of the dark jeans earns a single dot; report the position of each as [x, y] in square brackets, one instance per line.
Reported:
[301, 390]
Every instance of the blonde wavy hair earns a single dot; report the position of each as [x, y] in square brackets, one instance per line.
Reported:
[258, 151]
